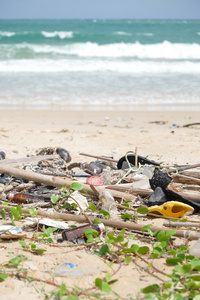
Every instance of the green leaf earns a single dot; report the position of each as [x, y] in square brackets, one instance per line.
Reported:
[76, 186]
[15, 261]
[142, 210]
[160, 236]
[15, 213]
[33, 212]
[195, 264]
[132, 236]
[128, 259]
[170, 233]
[154, 288]
[178, 296]
[54, 199]
[97, 221]
[71, 298]
[92, 207]
[102, 285]
[173, 260]
[143, 250]
[104, 249]
[126, 216]
[3, 276]
[23, 244]
[186, 268]
[105, 213]
[108, 276]
[135, 247]
[91, 231]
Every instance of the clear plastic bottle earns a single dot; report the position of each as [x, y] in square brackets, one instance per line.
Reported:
[195, 249]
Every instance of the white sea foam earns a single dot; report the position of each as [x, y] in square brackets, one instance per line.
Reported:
[146, 34]
[6, 33]
[60, 34]
[122, 33]
[90, 65]
[165, 50]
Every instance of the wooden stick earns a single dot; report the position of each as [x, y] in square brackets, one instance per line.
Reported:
[57, 182]
[192, 235]
[195, 174]
[183, 168]
[19, 161]
[182, 224]
[99, 157]
[185, 179]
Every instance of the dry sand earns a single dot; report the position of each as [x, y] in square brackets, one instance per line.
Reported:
[157, 135]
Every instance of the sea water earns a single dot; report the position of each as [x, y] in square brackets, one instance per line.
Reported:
[100, 64]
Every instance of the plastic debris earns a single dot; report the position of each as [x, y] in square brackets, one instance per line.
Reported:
[173, 209]
[95, 180]
[108, 202]
[76, 197]
[32, 222]
[7, 230]
[195, 249]
[68, 269]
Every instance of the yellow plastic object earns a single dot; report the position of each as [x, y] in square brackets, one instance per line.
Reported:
[173, 209]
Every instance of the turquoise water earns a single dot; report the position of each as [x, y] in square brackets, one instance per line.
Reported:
[100, 64]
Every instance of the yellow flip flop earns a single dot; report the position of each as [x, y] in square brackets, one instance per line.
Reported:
[173, 209]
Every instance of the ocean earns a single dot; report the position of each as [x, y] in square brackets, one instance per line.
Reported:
[100, 64]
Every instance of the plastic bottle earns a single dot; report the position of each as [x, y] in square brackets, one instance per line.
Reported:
[108, 202]
[78, 232]
[195, 249]
[23, 198]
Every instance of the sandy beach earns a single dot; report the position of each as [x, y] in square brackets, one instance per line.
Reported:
[159, 136]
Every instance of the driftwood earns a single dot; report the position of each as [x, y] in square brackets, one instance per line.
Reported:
[185, 179]
[195, 174]
[19, 161]
[181, 224]
[191, 235]
[100, 157]
[191, 124]
[57, 182]
[129, 188]
[183, 168]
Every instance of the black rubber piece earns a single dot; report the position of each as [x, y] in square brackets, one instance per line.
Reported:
[131, 158]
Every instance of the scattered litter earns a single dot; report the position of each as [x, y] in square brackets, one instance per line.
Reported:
[32, 222]
[7, 230]
[79, 199]
[171, 209]
[79, 232]
[195, 249]
[108, 202]
[68, 269]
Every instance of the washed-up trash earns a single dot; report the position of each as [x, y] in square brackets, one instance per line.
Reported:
[131, 158]
[68, 269]
[79, 232]
[195, 249]
[95, 167]
[64, 154]
[108, 202]
[157, 198]
[25, 198]
[173, 209]
[159, 179]
[2, 155]
[6, 231]
[79, 199]
[32, 222]
[95, 180]
[171, 195]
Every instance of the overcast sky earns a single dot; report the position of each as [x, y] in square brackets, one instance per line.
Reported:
[94, 9]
